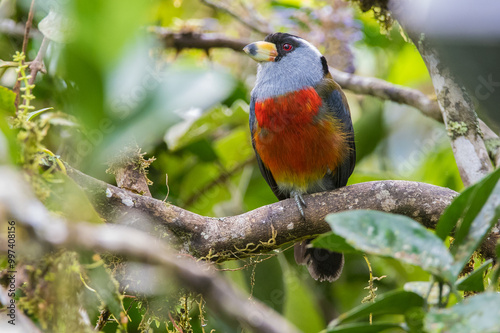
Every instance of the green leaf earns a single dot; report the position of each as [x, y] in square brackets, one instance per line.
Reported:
[393, 302]
[365, 328]
[33, 114]
[480, 224]
[466, 205]
[474, 281]
[394, 236]
[479, 313]
[7, 101]
[481, 195]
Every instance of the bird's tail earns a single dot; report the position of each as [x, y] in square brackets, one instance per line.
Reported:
[323, 265]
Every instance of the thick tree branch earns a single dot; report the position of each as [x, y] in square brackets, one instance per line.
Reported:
[16, 200]
[267, 227]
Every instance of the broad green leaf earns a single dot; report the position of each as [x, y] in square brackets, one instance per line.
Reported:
[424, 289]
[477, 202]
[467, 206]
[453, 212]
[481, 224]
[365, 328]
[476, 314]
[393, 302]
[334, 243]
[394, 236]
[7, 101]
[474, 281]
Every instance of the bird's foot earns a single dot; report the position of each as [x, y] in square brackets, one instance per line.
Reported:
[299, 200]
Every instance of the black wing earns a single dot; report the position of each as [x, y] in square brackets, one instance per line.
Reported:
[268, 176]
[337, 105]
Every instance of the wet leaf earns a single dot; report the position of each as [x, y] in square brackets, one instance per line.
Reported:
[394, 236]
[476, 314]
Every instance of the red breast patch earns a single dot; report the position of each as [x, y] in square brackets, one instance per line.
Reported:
[294, 108]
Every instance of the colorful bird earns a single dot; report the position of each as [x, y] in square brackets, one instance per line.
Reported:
[301, 131]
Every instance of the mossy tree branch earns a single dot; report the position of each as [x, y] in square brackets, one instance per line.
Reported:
[267, 227]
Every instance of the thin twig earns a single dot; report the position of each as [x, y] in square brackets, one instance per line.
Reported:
[239, 18]
[37, 64]
[102, 320]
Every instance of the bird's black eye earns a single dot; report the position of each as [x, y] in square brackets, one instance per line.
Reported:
[287, 47]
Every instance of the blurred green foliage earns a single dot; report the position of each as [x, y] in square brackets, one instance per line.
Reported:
[111, 83]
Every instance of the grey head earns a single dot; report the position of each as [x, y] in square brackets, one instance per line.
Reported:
[298, 64]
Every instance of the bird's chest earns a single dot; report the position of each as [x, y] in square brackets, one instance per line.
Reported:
[294, 109]
[295, 141]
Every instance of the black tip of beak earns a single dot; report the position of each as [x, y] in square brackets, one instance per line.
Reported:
[251, 49]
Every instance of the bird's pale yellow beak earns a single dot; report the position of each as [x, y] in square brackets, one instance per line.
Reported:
[261, 51]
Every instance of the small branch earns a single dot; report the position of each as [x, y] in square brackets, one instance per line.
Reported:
[37, 64]
[130, 170]
[222, 297]
[189, 40]
[388, 91]
[28, 26]
[102, 320]
[239, 18]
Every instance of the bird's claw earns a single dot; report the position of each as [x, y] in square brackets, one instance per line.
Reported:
[299, 200]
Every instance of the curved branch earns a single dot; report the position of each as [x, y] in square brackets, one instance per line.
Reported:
[267, 227]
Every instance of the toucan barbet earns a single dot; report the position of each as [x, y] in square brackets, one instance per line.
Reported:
[301, 131]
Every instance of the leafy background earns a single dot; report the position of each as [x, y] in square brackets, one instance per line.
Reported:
[111, 81]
